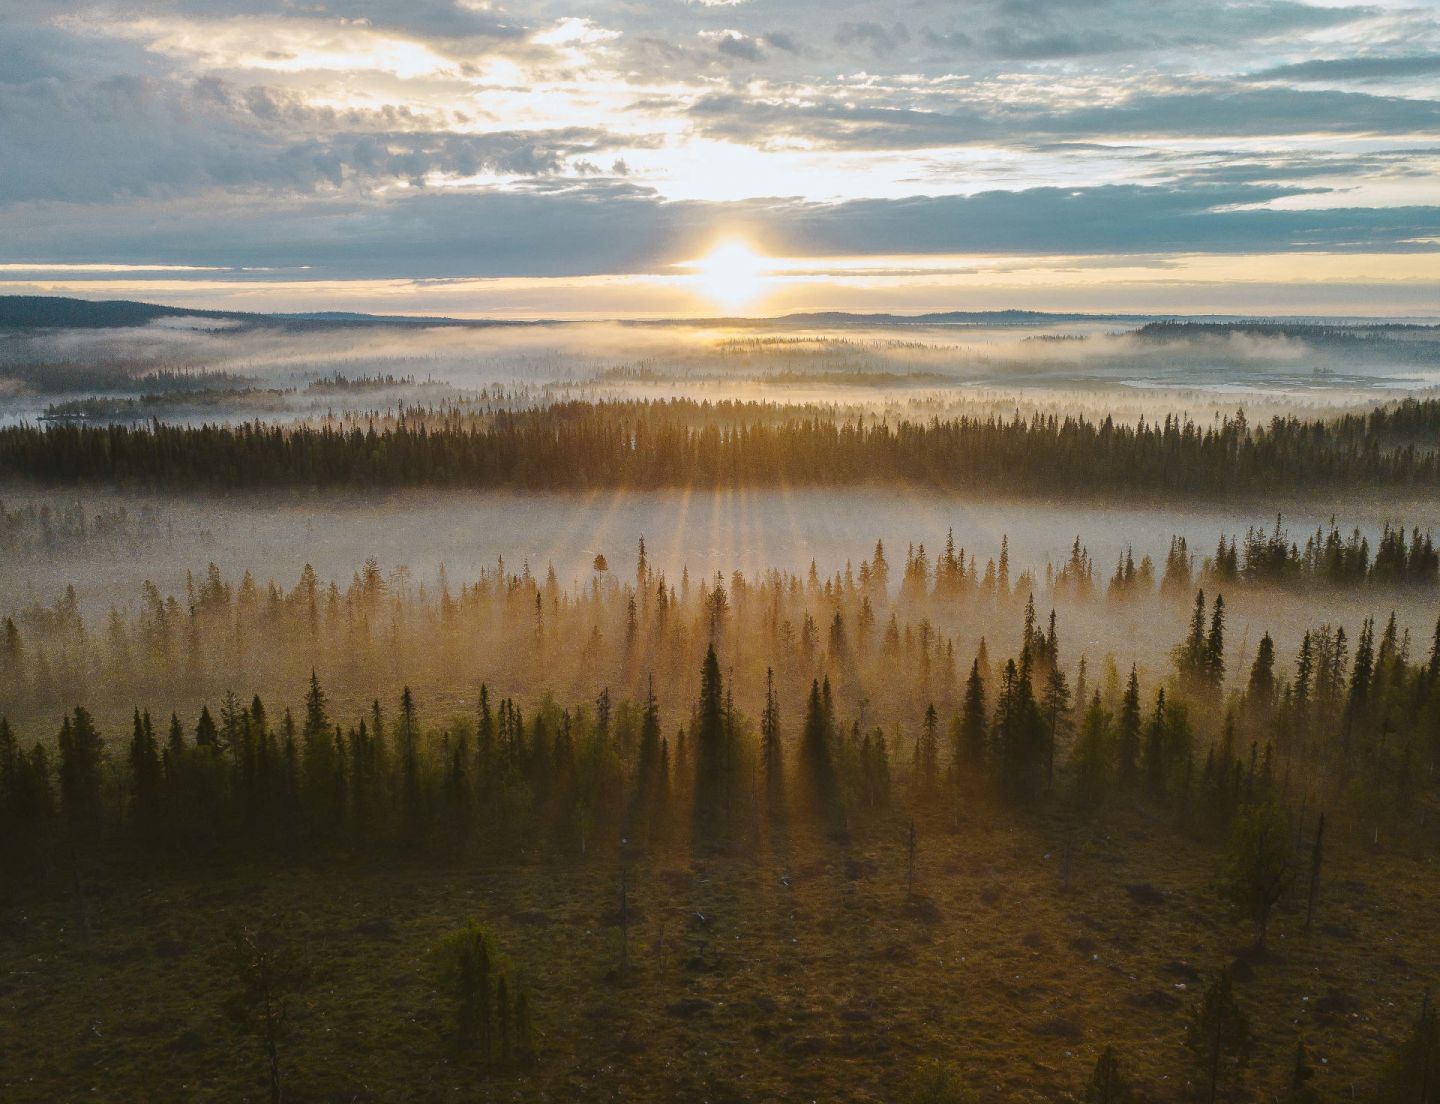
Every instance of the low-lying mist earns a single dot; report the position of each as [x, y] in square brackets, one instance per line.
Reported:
[73, 573]
[220, 372]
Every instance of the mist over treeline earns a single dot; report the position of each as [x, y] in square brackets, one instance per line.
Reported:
[722, 721]
[705, 717]
[1129, 815]
[684, 443]
[889, 641]
[1191, 368]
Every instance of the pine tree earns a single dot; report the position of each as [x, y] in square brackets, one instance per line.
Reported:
[927, 753]
[1093, 754]
[1156, 757]
[968, 732]
[1259, 866]
[146, 777]
[1056, 708]
[1191, 657]
[712, 761]
[1260, 693]
[207, 733]
[81, 751]
[1107, 1086]
[772, 755]
[816, 763]
[1018, 731]
[1218, 1033]
[1357, 701]
[1214, 662]
[407, 741]
[466, 957]
[1127, 742]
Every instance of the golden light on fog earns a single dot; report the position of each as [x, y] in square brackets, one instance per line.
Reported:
[732, 274]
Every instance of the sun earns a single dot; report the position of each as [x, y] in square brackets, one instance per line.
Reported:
[732, 274]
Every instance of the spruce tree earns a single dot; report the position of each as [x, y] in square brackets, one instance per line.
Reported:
[1259, 866]
[146, 778]
[772, 756]
[1107, 1085]
[969, 734]
[816, 763]
[712, 761]
[1218, 1034]
[81, 750]
[1127, 735]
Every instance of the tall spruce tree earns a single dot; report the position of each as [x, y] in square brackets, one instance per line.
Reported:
[712, 826]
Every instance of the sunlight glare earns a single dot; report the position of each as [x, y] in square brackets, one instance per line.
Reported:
[732, 274]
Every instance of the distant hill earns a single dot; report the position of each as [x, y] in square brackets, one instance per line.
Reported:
[37, 312]
[42, 312]
[51, 312]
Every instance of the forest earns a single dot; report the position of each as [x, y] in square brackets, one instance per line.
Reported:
[691, 443]
[580, 712]
[785, 814]
[719, 552]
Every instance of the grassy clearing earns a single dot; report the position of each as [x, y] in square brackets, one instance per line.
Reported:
[750, 980]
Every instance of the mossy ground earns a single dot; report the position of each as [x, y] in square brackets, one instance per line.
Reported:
[750, 979]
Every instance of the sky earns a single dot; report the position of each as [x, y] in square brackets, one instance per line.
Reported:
[702, 157]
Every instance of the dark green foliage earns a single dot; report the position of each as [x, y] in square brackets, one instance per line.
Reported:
[968, 732]
[1093, 757]
[466, 958]
[927, 754]
[714, 762]
[679, 442]
[1127, 751]
[1218, 1034]
[772, 752]
[147, 779]
[1106, 1085]
[817, 766]
[27, 804]
[80, 760]
[1413, 1075]
[1260, 865]
[1018, 732]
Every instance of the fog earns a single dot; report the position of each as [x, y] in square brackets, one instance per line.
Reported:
[222, 372]
[109, 545]
[423, 542]
[274, 536]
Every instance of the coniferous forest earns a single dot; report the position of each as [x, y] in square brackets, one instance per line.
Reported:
[932, 823]
[687, 443]
[719, 552]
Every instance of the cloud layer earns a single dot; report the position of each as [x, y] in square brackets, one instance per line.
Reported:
[443, 139]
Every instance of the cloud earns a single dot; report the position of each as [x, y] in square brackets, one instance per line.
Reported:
[879, 40]
[780, 40]
[626, 229]
[1203, 110]
[448, 138]
[447, 20]
[138, 136]
[1355, 69]
[1013, 43]
[734, 44]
